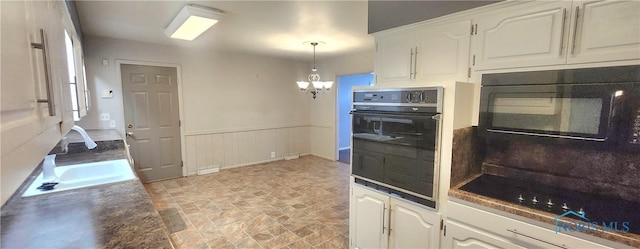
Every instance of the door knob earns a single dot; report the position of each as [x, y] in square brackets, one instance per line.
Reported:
[130, 133]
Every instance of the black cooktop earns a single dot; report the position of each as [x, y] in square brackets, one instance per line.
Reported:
[597, 208]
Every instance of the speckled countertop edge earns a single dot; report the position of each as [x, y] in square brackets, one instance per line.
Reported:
[545, 217]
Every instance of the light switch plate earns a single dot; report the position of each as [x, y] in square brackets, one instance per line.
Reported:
[112, 124]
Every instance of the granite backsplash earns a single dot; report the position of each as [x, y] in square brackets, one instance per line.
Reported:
[466, 155]
[593, 171]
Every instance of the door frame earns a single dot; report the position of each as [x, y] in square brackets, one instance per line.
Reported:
[119, 63]
[336, 111]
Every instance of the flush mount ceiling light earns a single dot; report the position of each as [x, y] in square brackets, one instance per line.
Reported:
[314, 85]
[192, 21]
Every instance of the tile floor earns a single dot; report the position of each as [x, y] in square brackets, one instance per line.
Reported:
[301, 203]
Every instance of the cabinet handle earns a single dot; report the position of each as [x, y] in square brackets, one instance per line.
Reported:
[384, 210]
[415, 63]
[411, 65]
[43, 46]
[575, 30]
[390, 209]
[564, 20]
[534, 238]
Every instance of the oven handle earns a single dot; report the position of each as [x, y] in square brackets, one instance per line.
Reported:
[432, 115]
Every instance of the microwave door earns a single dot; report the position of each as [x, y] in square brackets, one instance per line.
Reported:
[569, 111]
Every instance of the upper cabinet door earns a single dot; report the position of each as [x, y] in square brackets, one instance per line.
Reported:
[394, 58]
[443, 52]
[20, 120]
[605, 31]
[522, 36]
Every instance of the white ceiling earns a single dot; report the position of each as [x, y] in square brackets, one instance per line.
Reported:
[272, 28]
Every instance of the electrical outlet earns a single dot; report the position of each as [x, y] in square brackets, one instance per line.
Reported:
[112, 124]
[104, 116]
[273, 154]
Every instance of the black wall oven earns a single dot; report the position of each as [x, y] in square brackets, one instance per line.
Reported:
[395, 136]
[593, 107]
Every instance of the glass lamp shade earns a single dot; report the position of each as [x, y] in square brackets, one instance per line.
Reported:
[302, 85]
[317, 84]
[328, 84]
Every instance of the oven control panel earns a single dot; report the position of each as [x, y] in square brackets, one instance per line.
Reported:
[418, 96]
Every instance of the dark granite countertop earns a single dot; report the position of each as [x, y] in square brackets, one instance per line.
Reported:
[117, 215]
[538, 215]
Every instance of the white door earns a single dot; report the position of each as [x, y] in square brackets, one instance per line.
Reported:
[394, 61]
[522, 36]
[369, 218]
[443, 52]
[152, 120]
[413, 226]
[605, 31]
[460, 235]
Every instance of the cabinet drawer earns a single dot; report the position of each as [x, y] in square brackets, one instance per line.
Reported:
[514, 231]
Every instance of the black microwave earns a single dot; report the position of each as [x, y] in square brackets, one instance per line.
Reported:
[593, 107]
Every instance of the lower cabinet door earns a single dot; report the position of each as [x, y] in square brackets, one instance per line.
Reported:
[369, 221]
[413, 226]
[460, 235]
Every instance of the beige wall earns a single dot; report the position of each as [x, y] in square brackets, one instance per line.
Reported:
[323, 109]
[236, 105]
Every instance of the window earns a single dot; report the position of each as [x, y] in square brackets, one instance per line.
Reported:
[77, 80]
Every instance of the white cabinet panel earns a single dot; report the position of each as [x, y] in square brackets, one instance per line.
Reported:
[370, 223]
[20, 118]
[522, 36]
[394, 57]
[424, 54]
[605, 31]
[379, 221]
[443, 52]
[413, 226]
[460, 235]
[467, 225]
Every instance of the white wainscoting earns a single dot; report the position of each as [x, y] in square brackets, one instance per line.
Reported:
[324, 142]
[228, 149]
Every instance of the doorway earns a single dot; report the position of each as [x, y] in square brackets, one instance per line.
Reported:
[152, 120]
[344, 99]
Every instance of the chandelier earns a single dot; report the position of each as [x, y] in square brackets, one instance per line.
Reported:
[314, 85]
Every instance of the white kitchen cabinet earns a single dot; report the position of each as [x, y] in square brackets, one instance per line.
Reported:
[521, 36]
[413, 226]
[471, 227]
[423, 54]
[369, 218]
[19, 108]
[394, 57]
[34, 82]
[605, 31]
[378, 220]
[556, 33]
[461, 235]
[443, 52]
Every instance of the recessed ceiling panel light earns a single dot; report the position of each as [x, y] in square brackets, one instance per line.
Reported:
[192, 21]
